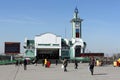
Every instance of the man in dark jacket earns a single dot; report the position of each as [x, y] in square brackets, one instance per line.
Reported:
[56, 61]
[91, 65]
[76, 64]
[25, 64]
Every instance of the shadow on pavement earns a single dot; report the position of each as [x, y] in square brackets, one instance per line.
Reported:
[101, 74]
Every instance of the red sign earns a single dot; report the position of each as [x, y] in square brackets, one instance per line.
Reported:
[91, 54]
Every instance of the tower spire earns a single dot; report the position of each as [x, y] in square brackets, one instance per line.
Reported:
[76, 12]
[76, 25]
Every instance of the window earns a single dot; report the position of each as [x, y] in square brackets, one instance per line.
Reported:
[77, 35]
[77, 51]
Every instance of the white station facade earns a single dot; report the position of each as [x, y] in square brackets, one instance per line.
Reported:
[51, 46]
[48, 45]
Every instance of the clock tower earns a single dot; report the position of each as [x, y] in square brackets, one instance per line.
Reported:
[77, 44]
[76, 25]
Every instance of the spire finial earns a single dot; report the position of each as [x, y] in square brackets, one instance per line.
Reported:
[76, 10]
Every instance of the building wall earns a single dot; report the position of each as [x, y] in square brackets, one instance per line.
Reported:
[29, 48]
[48, 41]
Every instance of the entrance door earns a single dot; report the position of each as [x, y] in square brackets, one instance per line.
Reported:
[48, 53]
[77, 51]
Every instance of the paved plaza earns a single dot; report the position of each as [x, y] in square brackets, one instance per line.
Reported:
[11, 72]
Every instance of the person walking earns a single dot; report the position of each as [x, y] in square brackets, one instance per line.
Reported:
[45, 62]
[17, 63]
[76, 64]
[21, 62]
[56, 62]
[25, 64]
[91, 65]
[65, 63]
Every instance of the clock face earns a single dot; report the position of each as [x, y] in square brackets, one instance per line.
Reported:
[76, 25]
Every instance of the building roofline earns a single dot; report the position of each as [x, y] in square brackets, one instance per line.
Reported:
[48, 33]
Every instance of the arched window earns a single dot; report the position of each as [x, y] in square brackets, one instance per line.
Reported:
[77, 51]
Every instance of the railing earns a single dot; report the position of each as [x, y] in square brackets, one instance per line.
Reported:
[5, 62]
